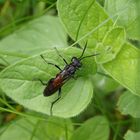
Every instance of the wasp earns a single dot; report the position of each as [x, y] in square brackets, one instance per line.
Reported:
[68, 72]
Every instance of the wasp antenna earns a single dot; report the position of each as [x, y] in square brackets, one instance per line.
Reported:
[89, 56]
[43, 58]
[83, 51]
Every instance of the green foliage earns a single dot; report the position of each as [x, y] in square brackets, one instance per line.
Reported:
[106, 30]
[125, 68]
[33, 38]
[31, 129]
[110, 45]
[93, 130]
[26, 88]
[127, 15]
[82, 18]
[56, 128]
[129, 104]
[105, 84]
[132, 136]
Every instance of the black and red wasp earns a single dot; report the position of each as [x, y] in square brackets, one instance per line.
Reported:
[56, 83]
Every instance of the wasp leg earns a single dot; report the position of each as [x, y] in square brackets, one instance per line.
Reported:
[42, 82]
[37, 79]
[55, 66]
[83, 51]
[50, 63]
[59, 96]
[61, 56]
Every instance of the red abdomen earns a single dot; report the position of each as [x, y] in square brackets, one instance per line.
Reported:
[53, 85]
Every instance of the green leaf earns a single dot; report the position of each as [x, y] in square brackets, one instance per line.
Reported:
[132, 135]
[105, 84]
[129, 104]
[127, 15]
[25, 88]
[96, 128]
[111, 45]
[79, 18]
[29, 129]
[33, 38]
[126, 68]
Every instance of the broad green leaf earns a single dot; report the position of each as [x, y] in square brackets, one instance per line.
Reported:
[132, 135]
[127, 15]
[126, 68]
[33, 38]
[105, 84]
[110, 45]
[129, 104]
[81, 17]
[96, 128]
[29, 129]
[20, 82]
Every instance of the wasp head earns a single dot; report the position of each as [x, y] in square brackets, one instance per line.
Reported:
[76, 62]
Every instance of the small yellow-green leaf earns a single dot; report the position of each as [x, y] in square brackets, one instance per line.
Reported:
[111, 45]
